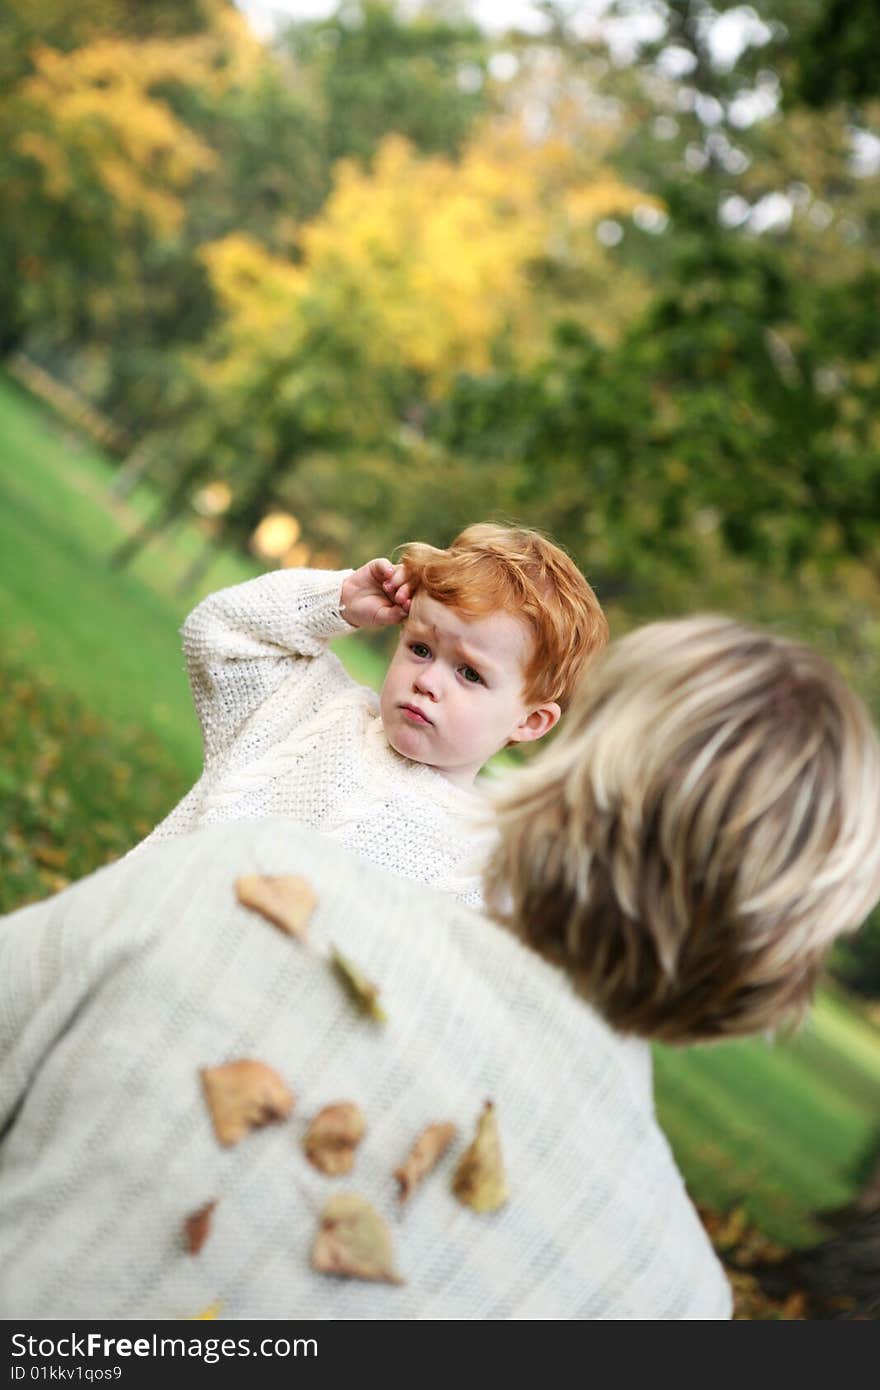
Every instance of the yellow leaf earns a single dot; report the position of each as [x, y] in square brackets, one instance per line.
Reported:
[361, 990]
[479, 1180]
[212, 1311]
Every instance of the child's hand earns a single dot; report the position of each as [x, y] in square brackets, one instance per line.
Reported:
[376, 595]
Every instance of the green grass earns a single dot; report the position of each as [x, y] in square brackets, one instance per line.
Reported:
[99, 740]
[783, 1128]
[110, 638]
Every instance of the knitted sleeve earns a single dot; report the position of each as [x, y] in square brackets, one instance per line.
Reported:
[242, 642]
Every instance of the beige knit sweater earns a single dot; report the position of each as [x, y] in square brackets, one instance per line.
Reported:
[288, 732]
[115, 992]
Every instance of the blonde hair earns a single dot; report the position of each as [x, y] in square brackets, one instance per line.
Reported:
[701, 832]
[493, 567]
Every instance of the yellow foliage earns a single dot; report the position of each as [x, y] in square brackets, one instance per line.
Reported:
[99, 104]
[260, 294]
[420, 262]
[439, 255]
[56, 167]
[233, 46]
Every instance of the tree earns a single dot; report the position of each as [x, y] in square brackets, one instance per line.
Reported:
[373, 72]
[95, 158]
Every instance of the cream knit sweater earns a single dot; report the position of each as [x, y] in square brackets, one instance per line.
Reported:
[113, 995]
[287, 732]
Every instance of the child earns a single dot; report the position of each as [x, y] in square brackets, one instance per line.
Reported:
[494, 634]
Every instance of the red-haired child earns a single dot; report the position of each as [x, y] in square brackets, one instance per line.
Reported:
[495, 631]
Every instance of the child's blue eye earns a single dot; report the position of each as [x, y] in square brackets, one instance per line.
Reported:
[472, 676]
[419, 649]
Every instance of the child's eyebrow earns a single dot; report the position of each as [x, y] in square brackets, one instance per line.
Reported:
[472, 658]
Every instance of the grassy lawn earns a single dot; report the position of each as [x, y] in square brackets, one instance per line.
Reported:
[108, 637]
[785, 1128]
[99, 740]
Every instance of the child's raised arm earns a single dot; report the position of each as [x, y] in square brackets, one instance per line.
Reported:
[242, 642]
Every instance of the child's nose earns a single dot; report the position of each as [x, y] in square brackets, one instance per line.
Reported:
[427, 682]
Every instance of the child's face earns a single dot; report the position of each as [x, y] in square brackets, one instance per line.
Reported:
[453, 694]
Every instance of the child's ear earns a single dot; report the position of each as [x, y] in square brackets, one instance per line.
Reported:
[537, 723]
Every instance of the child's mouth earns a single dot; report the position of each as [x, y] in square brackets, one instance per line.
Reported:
[415, 715]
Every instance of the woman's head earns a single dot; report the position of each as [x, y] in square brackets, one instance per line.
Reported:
[704, 828]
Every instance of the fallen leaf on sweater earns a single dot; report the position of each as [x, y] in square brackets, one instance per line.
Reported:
[479, 1180]
[196, 1227]
[354, 1241]
[242, 1096]
[364, 993]
[425, 1153]
[286, 900]
[211, 1312]
[333, 1136]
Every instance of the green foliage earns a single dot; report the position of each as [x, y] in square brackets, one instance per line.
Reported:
[857, 959]
[374, 72]
[835, 57]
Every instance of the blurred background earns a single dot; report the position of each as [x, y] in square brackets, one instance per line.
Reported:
[290, 282]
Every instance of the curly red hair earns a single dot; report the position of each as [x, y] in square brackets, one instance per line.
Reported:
[493, 567]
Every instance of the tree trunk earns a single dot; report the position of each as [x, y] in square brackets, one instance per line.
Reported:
[176, 504]
[131, 472]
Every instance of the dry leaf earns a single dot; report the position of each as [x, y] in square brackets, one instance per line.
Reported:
[51, 855]
[243, 1096]
[212, 1311]
[425, 1153]
[286, 900]
[479, 1180]
[354, 1241]
[196, 1227]
[364, 993]
[333, 1136]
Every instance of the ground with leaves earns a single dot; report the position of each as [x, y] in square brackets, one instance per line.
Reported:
[77, 792]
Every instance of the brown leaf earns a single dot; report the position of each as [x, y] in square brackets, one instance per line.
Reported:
[364, 993]
[197, 1227]
[286, 900]
[425, 1153]
[354, 1241]
[479, 1180]
[242, 1096]
[333, 1136]
[51, 856]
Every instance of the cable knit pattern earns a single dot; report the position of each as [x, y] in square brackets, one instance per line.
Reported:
[115, 992]
[287, 731]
